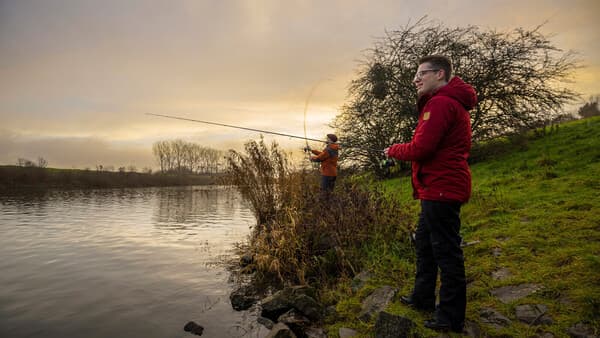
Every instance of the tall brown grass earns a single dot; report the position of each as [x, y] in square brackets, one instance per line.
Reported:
[301, 236]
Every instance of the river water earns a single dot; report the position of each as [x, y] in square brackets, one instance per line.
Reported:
[121, 263]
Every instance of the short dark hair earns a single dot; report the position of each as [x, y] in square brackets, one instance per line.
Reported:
[439, 62]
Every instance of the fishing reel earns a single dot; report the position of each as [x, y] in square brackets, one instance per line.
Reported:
[386, 163]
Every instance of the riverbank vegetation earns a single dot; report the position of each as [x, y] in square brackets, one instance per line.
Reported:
[302, 236]
[533, 220]
[17, 177]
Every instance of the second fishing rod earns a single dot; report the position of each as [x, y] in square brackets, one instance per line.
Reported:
[253, 129]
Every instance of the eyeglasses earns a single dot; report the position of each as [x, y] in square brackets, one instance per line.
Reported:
[419, 75]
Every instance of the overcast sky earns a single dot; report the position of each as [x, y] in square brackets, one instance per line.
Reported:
[77, 77]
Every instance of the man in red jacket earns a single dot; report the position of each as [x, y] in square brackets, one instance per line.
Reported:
[441, 179]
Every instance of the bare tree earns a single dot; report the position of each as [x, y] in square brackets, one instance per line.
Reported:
[518, 75]
[180, 156]
[23, 162]
[42, 163]
[162, 151]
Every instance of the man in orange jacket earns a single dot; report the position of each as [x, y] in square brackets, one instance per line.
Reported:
[328, 159]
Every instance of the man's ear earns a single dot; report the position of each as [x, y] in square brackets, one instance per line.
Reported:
[441, 74]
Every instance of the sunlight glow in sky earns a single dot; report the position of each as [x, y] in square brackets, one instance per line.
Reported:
[78, 76]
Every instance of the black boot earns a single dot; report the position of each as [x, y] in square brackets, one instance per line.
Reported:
[442, 326]
[410, 301]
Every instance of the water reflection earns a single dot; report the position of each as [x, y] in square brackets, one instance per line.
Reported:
[120, 262]
[180, 208]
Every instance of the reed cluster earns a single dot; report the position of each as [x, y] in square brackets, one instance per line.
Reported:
[303, 236]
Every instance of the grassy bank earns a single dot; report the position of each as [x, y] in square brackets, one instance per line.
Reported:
[534, 215]
[14, 177]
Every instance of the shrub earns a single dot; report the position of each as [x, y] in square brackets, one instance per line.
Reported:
[302, 235]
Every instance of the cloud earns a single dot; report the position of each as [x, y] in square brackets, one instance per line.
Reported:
[73, 71]
[72, 152]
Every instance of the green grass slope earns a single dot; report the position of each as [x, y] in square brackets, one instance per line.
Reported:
[534, 215]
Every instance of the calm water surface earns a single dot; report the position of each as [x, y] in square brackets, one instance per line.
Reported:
[121, 263]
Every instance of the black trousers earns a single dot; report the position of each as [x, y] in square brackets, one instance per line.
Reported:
[437, 244]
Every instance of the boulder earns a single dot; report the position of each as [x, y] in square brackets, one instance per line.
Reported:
[501, 274]
[345, 332]
[292, 317]
[243, 297]
[472, 329]
[494, 318]
[533, 314]
[581, 330]
[510, 293]
[193, 328]
[315, 332]
[360, 280]
[281, 330]
[392, 326]
[301, 298]
[376, 302]
[246, 260]
[308, 306]
[266, 322]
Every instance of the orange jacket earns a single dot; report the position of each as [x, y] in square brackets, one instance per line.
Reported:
[328, 158]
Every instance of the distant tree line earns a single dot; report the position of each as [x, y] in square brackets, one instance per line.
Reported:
[41, 163]
[186, 157]
[590, 108]
[518, 76]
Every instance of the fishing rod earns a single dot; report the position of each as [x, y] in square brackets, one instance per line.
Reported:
[252, 129]
[237, 127]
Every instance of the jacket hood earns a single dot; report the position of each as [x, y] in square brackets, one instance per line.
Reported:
[459, 91]
[334, 146]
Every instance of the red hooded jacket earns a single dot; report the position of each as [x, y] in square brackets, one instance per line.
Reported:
[441, 143]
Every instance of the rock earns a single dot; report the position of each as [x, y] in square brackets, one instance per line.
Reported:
[472, 329]
[292, 317]
[246, 260]
[308, 306]
[331, 311]
[345, 332]
[533, 314]
[392, 326]
[544, 335]
[194, 328]
[243, 298]
[581, 330]
[315, 332]
[507, 294]
[266, 322]
[275, 305]
[494, 318]
[501, 274]
[299, 297]
[376, 302]
[281, 330]
[360, 280]
[303, 290]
